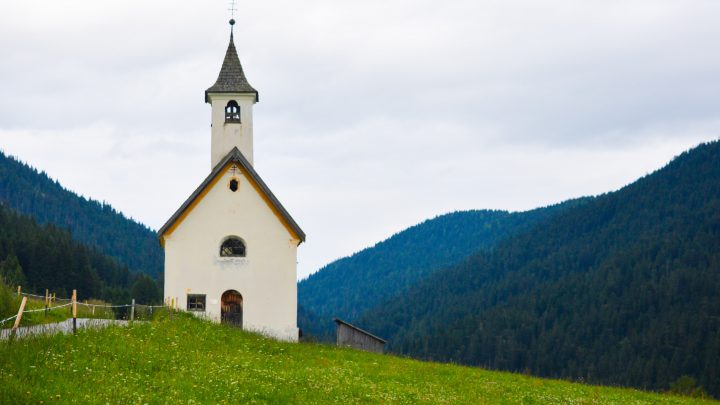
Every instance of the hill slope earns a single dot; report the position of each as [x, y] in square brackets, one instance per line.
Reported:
[191, 361]
[39, 257]
[90, 222]
[624, 289]
[348, 287]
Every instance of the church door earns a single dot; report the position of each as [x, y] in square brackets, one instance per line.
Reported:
[231, 311]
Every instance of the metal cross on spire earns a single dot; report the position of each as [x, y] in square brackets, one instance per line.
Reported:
[232, 11]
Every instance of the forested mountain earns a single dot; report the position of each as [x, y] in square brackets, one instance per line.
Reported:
[348, 287]
[93, 223]
[624, 289]
[39, 257]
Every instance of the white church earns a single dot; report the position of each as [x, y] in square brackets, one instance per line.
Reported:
[231, 248]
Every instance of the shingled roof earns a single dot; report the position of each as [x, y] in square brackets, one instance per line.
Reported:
[232, 78]
[235, 156]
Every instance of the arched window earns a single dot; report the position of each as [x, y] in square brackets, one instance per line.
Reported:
[232, 111]
[232, 247]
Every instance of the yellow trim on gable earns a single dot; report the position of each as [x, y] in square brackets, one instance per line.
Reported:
[274, 210]
[212, 184]
[192, 205]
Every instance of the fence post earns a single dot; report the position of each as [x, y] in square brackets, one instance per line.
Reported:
[18, 318]
[47, 301]
[132, 310]
[74, 311]
[20, 312]
[19, 291]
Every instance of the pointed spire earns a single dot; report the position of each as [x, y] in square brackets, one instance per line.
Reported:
[232, 78]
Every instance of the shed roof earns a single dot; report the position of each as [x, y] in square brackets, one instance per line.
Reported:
[235, 156]
[341, 322]
[232, 77]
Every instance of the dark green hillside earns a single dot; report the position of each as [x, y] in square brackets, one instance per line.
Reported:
[624, 290]
[348, 287]
[39, 257]
[90, 222]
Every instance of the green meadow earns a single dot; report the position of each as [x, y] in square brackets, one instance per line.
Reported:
[180, 359]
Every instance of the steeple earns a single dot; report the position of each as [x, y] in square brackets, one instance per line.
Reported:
[231, 99]
[232, 77]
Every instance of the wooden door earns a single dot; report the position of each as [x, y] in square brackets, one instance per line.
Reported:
[231, 308]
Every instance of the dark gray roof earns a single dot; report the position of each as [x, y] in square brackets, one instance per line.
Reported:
[235, 156]
[340, 321]
[231, 78]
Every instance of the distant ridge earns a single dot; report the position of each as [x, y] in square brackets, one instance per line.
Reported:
[621, 290]
[90, 222]
[348, 287]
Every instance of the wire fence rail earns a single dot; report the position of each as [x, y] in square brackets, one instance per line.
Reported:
[73, 304]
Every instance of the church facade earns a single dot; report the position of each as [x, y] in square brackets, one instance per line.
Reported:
[231, 248]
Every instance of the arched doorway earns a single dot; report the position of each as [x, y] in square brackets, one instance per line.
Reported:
[231, 311]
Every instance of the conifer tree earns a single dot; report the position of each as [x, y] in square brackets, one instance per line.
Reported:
[11, 271]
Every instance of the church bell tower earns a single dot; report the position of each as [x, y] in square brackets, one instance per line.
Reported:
[231, 247]
[232, 99]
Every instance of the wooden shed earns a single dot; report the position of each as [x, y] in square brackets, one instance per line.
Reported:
[351, 336]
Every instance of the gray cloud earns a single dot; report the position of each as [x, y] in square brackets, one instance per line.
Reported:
[374, 115]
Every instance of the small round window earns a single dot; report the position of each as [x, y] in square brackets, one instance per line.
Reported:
[234, 185]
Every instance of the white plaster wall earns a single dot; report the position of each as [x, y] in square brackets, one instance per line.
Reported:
[227, 136]
[266, 278]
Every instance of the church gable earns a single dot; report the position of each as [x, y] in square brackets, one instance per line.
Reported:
[246, 175]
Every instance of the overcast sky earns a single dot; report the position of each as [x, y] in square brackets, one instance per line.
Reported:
[374, 115]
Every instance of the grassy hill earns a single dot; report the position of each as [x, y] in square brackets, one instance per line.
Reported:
[192, 361]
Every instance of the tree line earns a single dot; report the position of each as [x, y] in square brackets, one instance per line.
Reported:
[40, 257]
[91, 222]
[348, 287]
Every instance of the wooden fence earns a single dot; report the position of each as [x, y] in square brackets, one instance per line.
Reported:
[73, 303]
